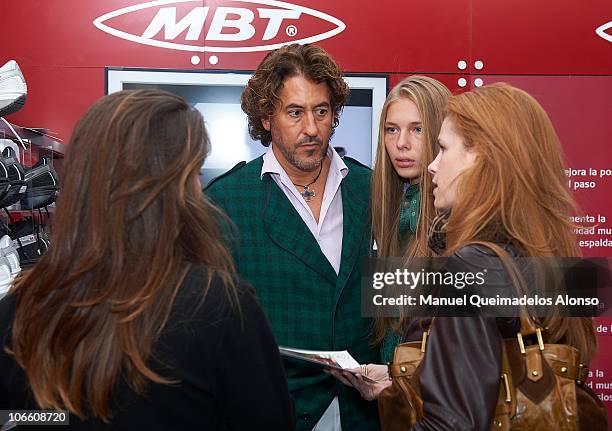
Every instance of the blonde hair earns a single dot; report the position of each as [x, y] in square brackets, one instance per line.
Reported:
[526, 199]
[430, 96]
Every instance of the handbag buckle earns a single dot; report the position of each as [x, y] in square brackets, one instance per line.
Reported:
[540, 339]
[519, 337]
[424, 341]
[507, 388]
[521, 343]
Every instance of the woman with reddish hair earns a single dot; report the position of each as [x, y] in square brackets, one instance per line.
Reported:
[500, 190]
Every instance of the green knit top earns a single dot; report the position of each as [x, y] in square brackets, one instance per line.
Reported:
[409, 218]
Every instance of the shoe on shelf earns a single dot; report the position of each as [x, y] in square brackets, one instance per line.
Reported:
[41, 185]
[6, 280]
[14, 172]
[13, 88]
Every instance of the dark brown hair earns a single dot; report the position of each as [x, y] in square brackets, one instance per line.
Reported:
[130, 223]
[261, 96]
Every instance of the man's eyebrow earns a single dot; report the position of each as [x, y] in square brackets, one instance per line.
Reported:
[297, 105]
[293, 106]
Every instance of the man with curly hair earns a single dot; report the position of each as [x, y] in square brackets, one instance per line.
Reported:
[301, 218]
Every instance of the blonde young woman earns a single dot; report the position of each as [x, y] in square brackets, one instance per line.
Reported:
[402, 200]
[498, 177]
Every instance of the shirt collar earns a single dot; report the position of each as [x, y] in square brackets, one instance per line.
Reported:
[272, 166]
[412, 190]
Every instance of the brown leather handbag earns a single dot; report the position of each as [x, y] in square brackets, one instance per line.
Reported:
[400, 405]
[541, 386]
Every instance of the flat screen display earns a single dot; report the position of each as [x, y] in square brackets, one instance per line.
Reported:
[217, 97]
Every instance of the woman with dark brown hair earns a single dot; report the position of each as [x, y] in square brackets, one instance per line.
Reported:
[132, 319]
[500, 191]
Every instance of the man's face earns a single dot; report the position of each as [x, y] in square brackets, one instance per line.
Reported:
[301, 124]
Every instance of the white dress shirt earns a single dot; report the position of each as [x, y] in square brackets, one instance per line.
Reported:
[327, 231]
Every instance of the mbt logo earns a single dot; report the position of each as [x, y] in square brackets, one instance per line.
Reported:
[234, 26]
[601, 31]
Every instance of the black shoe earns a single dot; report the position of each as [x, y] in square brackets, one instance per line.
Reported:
[42, 185]
[13, 171]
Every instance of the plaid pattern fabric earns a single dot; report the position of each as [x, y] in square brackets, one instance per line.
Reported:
[308, 305]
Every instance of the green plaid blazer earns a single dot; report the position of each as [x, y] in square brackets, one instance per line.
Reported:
[308, 305]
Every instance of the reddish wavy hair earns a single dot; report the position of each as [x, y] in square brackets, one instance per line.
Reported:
[517, 187]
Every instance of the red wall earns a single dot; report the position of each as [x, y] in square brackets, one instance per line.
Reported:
[549, 48]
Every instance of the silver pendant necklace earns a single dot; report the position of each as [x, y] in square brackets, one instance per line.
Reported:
[306, 193]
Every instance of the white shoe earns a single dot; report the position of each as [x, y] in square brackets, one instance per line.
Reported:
[6, 280]
[9, 251]
[13, 88]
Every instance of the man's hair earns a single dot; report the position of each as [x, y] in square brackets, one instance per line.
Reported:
[261, 96]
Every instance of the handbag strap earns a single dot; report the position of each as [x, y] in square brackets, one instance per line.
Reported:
[529, 324]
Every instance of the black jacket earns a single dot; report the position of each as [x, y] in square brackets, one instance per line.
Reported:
[229, 368]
